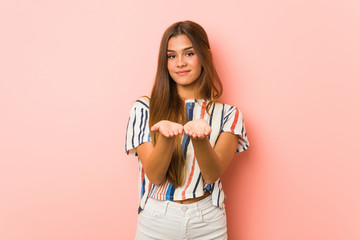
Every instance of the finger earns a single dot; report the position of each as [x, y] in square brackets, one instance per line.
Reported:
[207, 130]
[178, 131]
[186, 130]
[155, 128]
[164, 133]
[199, 131]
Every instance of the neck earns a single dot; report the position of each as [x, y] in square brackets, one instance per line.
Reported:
[186, 93]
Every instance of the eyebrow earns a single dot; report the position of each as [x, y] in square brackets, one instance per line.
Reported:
[184, 49]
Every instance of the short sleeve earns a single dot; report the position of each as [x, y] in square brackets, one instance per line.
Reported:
[233, 122]
[137, 131]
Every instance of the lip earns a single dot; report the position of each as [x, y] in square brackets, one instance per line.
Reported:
[183, 72]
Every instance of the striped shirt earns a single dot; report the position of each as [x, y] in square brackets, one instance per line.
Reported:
[221, 118]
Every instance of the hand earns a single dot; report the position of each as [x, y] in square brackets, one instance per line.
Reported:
[197, 129]
[167, 128]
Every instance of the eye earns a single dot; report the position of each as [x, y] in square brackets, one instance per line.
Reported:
[171, 56]
[188, 54]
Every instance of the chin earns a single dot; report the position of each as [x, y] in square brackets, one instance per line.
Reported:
[184, 83]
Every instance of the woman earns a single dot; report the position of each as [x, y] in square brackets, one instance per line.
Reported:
[184, 139]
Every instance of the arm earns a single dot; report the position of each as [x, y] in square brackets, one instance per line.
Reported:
[156, 160]
[212, 161]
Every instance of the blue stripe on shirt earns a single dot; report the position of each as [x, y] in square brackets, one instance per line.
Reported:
[140, 127]
[145, 125]
[143, 187]
[222, 117]
[133, 136]
[211, 115]
[186, 139]
[229, 113]
[196, 185]
[170, 193]
[220, 190]
[139, 101]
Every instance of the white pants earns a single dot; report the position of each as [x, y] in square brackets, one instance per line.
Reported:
[167, 220]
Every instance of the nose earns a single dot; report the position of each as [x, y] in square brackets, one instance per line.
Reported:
[181, 62]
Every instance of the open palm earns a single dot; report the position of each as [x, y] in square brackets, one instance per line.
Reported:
[168, 128]
[197, 129]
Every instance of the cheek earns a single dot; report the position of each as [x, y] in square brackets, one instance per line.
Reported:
[196, 64]
[170, 66]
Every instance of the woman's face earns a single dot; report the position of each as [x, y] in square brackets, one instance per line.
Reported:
[183, 65]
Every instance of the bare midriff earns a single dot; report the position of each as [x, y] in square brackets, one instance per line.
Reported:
[192, 200]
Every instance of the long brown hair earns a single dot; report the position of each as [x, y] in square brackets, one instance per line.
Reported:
[165, 102]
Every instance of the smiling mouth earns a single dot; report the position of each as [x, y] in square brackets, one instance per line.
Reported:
[182, 73]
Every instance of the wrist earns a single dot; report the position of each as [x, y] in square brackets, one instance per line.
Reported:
[200, 140]
[163, 138]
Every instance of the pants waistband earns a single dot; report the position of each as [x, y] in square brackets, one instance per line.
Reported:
[196, 208]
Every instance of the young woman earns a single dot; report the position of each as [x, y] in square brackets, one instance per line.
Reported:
[184, 139]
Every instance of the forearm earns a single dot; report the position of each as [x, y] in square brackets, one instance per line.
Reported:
[157, 161]
[211, 165]
[214, 161]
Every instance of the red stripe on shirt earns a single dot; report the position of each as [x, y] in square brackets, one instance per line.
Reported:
[163, 188]
[203, 108]
[190, 178]
[156, 193]
[149, 187]
[235, 120]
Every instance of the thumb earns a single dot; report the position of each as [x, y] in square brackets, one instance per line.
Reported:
[207, 130]
[155, 128]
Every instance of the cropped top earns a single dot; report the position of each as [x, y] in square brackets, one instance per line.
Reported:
[221, 118]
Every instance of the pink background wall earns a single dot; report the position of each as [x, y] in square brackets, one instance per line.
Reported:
[70, 71]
